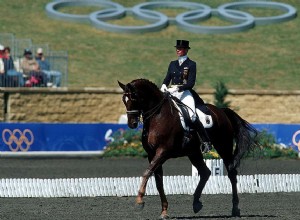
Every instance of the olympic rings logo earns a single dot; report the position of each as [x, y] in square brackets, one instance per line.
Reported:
[295, 142]
[17, 140]
[197, 12]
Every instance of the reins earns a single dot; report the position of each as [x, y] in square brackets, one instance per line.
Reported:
[167, 96]
[155, 108]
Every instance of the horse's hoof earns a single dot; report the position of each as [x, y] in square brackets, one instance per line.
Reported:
[140, 206]
[236, 212]
[197, 206]
[164, 217]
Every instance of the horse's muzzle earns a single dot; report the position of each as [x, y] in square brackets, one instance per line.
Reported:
[133, 118]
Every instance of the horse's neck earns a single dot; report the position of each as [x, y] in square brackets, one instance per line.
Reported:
[151, 95]
[152, 106]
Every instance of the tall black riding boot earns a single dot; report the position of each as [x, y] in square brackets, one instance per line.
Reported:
[206, 144]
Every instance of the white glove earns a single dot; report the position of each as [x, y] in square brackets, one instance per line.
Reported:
[173, 89]
[163, 88]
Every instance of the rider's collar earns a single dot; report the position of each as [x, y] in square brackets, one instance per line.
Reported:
[182, 59]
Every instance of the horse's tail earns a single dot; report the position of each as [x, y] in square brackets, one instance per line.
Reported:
[245, 136]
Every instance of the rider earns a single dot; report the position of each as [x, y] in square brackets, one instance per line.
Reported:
[182, 73]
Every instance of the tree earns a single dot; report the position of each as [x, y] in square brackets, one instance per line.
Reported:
[220, 94]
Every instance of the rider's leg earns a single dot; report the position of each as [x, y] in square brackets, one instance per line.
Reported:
[188, 100]
[204, 136]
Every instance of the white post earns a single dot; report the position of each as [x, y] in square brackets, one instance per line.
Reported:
[215, 166]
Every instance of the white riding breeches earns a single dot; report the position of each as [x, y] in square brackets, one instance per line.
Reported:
[187, 98]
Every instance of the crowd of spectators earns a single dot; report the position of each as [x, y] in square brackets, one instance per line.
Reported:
[28, 71]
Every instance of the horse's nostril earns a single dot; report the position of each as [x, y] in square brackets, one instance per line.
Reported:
[133, 124]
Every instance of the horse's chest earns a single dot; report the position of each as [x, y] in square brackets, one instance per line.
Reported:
[151, 137]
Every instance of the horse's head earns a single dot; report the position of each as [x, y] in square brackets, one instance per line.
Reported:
[139, 97]
[131, 101]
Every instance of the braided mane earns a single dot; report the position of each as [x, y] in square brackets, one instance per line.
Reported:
[147, 90]
[143, 82]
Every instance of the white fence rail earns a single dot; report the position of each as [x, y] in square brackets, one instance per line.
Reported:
[92, 187]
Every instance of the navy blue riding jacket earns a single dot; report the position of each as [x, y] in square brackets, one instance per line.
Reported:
[176, 74]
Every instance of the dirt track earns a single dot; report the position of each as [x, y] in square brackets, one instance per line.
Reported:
[253, 206]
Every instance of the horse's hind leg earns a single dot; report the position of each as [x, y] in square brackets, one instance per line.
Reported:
[204, 173]
[232, 174]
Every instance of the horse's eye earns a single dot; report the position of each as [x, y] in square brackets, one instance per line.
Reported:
[133, 96]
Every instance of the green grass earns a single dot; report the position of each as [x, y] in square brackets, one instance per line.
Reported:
[266, 57]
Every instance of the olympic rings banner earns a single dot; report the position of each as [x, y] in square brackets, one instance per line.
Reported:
[186, 21]
[50, 137]
[26, 137]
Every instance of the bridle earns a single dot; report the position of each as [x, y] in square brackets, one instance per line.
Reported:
[148, 114]
[134, 113]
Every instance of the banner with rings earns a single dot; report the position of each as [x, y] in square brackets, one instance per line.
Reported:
[28, 137]
[32, 137]
[296, 139]
[197, 12]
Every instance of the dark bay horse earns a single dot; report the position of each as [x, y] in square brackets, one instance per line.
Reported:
[163, 134]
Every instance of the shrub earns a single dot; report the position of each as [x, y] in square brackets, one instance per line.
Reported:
[265, 139]
[211, 155]
[269, 149]
[126, 143]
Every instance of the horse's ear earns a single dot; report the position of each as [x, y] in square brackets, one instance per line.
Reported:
[121, 85]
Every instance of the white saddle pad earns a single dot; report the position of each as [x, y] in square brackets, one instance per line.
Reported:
[206, 120]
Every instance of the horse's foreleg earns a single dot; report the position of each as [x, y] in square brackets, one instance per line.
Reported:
[235, 199]
[159, 185]
[155, 162]
[204, 173]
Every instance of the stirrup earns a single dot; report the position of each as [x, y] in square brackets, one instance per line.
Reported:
[206, 147]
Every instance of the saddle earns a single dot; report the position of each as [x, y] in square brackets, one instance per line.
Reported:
[199, 103]
[202, 111]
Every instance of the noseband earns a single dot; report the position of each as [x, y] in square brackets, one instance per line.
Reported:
[134, 112]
